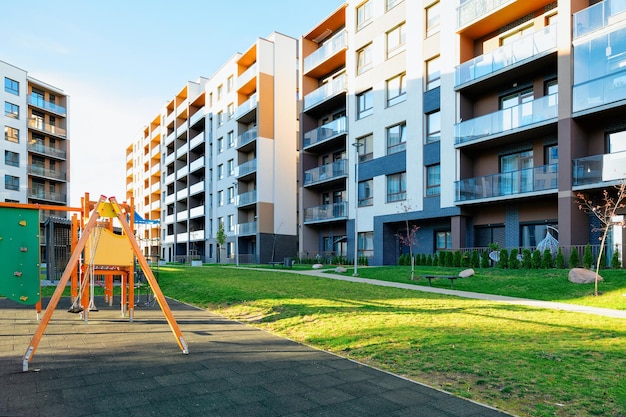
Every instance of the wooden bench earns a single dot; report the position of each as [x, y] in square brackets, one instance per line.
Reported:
[450, 277]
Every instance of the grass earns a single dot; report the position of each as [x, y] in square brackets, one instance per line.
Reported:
[527, 361]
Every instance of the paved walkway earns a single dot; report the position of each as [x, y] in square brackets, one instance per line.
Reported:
[110, 367]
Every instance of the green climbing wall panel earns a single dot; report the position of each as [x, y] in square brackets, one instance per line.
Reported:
[19, 252]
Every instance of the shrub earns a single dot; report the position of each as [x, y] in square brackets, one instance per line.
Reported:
[513, 260]
[442, 259]
[431, 260]
[615, 262]
[456, 258]
[587, 257]
[449, 259]
[573, 261]
[603, 260]
[546, 260]
[527, 259]
[560, 259]
[536, 262]
[401, 259]
[485, 261]
[475, 261]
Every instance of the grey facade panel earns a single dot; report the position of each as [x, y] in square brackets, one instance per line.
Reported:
[386, 165]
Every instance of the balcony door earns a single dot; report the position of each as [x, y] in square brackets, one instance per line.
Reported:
[517, 177]
[517, 109]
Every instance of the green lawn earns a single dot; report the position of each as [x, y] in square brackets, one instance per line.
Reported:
[527, 361]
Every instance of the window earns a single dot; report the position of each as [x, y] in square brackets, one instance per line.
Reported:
[363, 15]
[433, 127]
[365, 243]
[229, 84]
[396, 187]
[231, 110]
[516, 172]
[443, 240]
[396, 138]
[220, 88]
[365, 104]
[366, 193]
[231, 222]
[551, 90]
[231, 139]
[390, 4]
[220, 198]
[12, 158]
[433, 180]
[396, 39]
[220, 145]
[433, 18]
[532, 234]
[11, 134]
[551, 155]
[433, 74]
[220, 118]
[11, 86]
[231, 195]
[11, 182]
[617, 142]
[366, 149]
[364, 59]
[220, 171]
[231, 167]
[396, 90]
[11, 110]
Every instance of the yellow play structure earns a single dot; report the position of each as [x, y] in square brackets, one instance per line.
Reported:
[98, 252]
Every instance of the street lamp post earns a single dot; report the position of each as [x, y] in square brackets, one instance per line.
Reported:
[356, 145]
[236, 224]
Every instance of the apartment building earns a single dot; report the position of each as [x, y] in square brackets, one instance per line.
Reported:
[228, 157]
[476, 121]
[36, 143]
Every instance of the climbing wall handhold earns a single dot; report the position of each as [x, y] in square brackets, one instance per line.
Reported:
[23, 249]
[17, 273]
[22, 222]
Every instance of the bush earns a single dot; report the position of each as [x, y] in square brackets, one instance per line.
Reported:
[485, 261]
[587, 257]
[456, 258]
[527, 259]
[513, 261]
[401, 259]
[503, 259]
[536, 262]
[573, 259]
[475, 261]
[560, 259]
[546, 260]
[449, 259]
[442, 259]
[615, 261]
[431, 260]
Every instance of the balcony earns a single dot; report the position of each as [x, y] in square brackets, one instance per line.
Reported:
[196, 212]
[598, 16]
[508, 184]
[247, 137]
[246, 229]
[245, 81]
[325, 132]
[245, 169]
[246, 107]
[471, 10]
[196, 117]
[47, 150]
[328, 50]
[526, 115]
[46, 127]
[326, 173]
[530, 46]
[197, 164]
[196, 188]
[601, 91]
[47, 173]
[37, 101]
[330, 89]
[182, 216]
[599, 169]
[246, 199]
[196, 235]
[39, 194]
[326, 212]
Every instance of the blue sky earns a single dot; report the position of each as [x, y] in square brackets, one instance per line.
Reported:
[120, 61]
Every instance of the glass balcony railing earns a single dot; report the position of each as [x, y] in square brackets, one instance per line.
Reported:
[598, 16]
[470, 10]
[328, 49]
[326, 91]
[246, 106]
[521, 116]
[601, 91]
[336, 211]
[46, 127]
[529, 46]
[245, 168]
[329, 130]
[247, 136]
[244, 229]
[46, 105]
[523, 181]
[47, 150]
[599, 168]
[48, 173]
[326, 172]
[247, 198]
[49, 196]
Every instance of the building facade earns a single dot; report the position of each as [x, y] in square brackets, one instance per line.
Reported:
[35, 121]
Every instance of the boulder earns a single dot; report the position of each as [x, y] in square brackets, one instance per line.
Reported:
[318, 266]
[340, 270]
[466, 273]
[582, 276]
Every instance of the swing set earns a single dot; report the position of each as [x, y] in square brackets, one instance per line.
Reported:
[99, 252]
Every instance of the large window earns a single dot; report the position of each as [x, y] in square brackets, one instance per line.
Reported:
[396, 187]
[366, 193]
[433, 18]
[433, 180]
[443, 240]
[363, 15]
[11, 182]
[365, 244]
[396, 89]
[396, 39]
[11, 134]
[396, 138]
[365, 104]
[531, 234]
[433, 73]
[12, 158]
[366, 148]
[364, 59]
[11, 86]
[433, 127]
[516, 175]
[11, 110]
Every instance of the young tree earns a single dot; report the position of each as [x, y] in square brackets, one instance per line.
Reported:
[409, 238]
[221, 239]
[605, 211]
